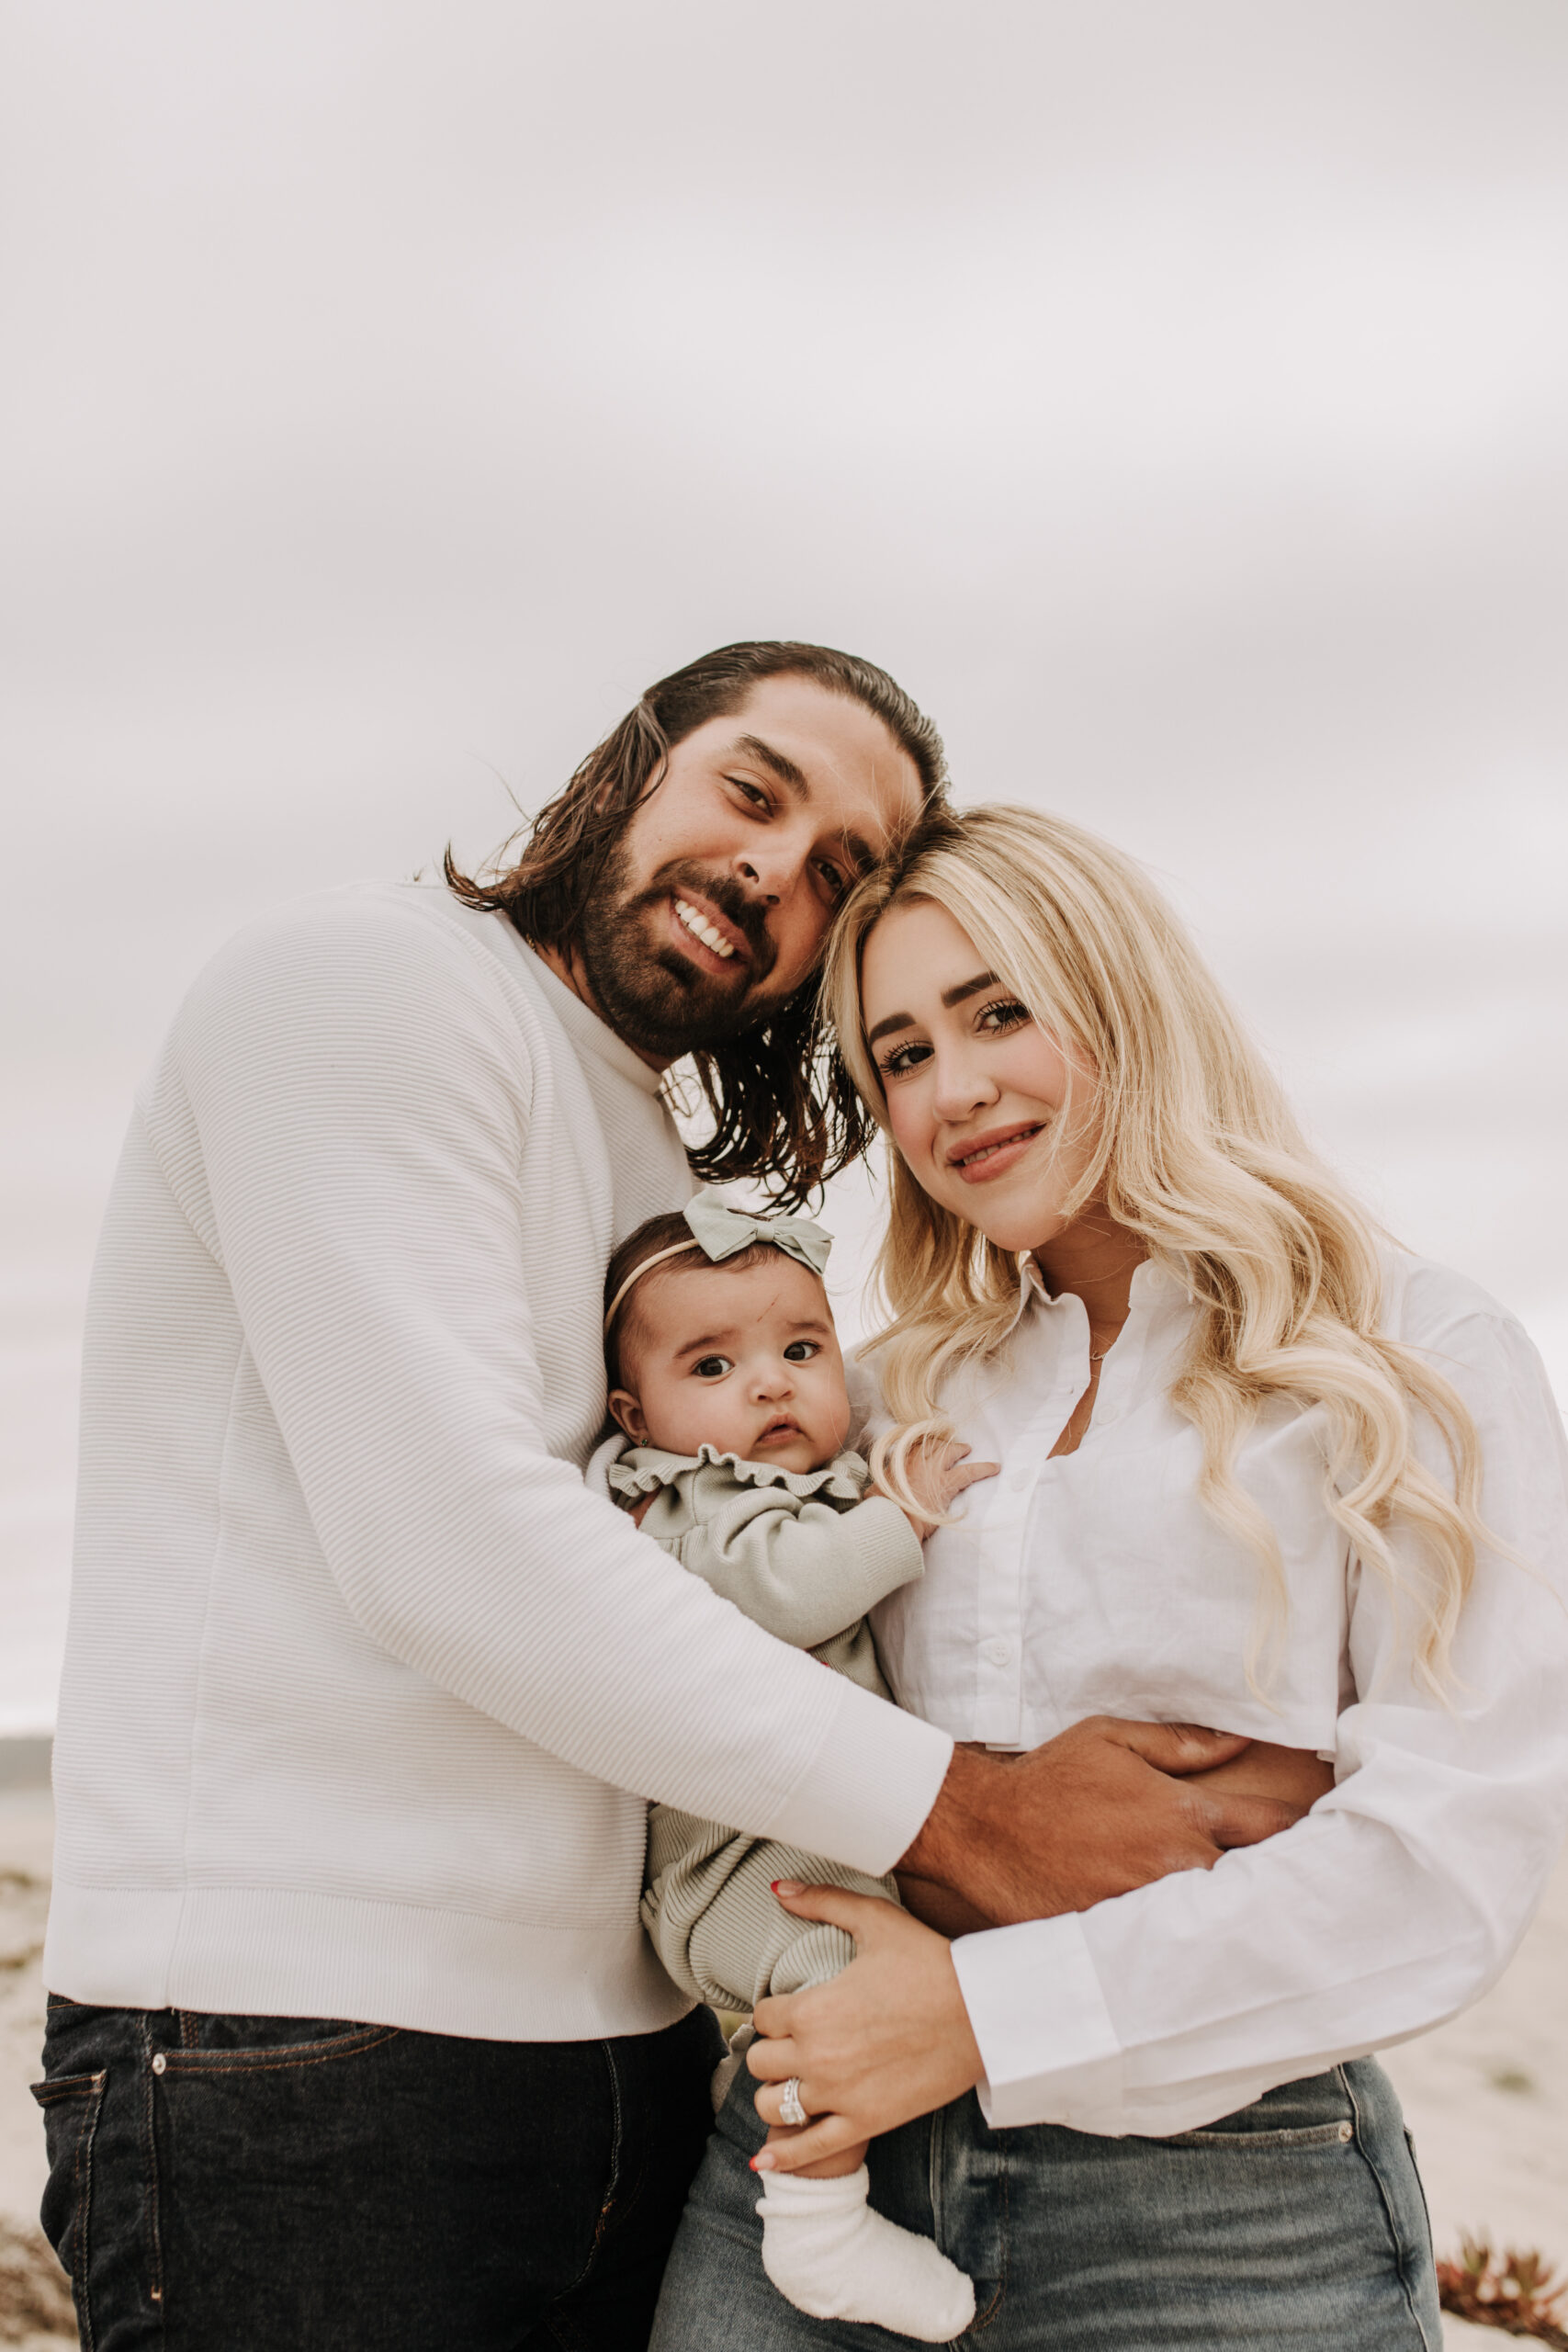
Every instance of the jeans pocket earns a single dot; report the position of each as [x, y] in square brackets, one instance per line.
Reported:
[1307, 2135]
[265, 2045]
[72, 2105]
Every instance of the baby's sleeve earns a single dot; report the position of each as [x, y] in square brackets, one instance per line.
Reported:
[712, 1916]
[795, 1567]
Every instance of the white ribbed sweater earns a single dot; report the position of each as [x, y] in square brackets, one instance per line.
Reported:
[359, 1672]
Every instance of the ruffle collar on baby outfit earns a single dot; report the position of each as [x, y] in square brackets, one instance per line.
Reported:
[644, 1469]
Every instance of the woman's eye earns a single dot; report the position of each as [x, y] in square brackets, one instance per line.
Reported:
[711, 1367]
[902, 1060]
[1006, 1013]
[802, 1350]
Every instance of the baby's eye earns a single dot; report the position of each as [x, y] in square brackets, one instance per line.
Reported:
[711, 1367]
[802, 1350]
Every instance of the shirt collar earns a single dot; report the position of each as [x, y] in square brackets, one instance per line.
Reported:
[1151, 1282]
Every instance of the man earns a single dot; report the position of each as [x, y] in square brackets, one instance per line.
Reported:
[355, 2039]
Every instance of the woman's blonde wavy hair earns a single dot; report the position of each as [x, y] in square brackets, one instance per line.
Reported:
[1196, 1152]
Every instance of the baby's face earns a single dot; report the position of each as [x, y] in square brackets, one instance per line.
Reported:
[745, 1361]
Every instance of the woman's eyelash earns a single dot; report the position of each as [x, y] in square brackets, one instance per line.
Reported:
[1003, 1013]
[1012, 1014]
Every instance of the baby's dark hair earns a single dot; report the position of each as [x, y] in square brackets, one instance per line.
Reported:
[654, 1235]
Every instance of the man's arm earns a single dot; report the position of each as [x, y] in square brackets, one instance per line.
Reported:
[343, 1119]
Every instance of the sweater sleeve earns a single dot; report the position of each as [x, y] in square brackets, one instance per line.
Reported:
[356, 1096]
[796, 1566]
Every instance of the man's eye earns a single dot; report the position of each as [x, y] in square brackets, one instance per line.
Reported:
[753, 792]
[902, 1060]
[711, 1367]
[802, 1350]
[838, 881]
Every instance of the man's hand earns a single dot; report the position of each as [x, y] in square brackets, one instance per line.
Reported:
[1095, 1812]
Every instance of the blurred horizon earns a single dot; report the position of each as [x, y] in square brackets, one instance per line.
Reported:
[1173, 398]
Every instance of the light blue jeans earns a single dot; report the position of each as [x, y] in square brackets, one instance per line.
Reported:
[1299, 2223]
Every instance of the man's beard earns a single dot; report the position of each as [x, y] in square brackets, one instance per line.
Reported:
[651, 993]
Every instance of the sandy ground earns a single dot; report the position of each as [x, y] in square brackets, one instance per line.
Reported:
[1487, 2097]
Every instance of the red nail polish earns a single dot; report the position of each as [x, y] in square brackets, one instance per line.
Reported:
[775, 1884]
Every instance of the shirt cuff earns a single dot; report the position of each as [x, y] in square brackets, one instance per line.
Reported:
[1049, 2048]
[865, 1794]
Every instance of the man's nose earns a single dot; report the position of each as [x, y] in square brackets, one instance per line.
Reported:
[768, 871]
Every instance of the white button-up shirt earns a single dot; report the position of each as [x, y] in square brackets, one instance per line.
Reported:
[1097, 1583]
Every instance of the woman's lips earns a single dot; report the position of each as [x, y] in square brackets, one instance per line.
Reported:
[992, 1155]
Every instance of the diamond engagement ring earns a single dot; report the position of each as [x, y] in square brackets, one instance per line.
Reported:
[790, 2108]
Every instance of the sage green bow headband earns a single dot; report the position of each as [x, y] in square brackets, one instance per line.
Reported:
[722, 1232]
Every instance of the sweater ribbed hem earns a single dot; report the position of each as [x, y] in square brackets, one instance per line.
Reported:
[272, 1952]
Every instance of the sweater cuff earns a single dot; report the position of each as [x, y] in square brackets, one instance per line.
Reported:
[1034, 2001]
[865, 1794]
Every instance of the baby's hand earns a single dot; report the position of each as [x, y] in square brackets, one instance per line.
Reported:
[935, 1476]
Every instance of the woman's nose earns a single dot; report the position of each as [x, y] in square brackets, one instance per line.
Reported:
[963, 1087]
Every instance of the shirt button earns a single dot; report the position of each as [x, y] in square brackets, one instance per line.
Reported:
[997, 1653]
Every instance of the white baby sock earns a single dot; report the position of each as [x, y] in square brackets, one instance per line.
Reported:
[829, 2253]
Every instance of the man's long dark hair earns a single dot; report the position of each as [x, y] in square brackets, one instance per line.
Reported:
[785, 1112]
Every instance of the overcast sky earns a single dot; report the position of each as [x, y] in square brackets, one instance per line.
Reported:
[1172, 394]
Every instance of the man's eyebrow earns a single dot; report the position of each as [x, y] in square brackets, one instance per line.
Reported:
[784, 768]
[950, 997]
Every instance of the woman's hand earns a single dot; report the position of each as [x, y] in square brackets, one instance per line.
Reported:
[888, 2039]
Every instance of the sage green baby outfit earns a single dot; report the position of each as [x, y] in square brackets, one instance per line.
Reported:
[804, 1555]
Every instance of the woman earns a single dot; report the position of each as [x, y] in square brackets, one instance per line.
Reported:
[1261, 1469]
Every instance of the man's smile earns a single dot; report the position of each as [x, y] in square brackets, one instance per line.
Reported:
[704, 923]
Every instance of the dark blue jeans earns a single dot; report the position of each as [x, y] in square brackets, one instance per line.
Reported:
[218, 2184]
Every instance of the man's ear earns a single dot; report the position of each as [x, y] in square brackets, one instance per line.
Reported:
[627, 1414]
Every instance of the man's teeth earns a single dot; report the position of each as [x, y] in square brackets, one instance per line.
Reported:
[700, 928]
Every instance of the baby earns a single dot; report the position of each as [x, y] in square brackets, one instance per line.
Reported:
[726, 1381]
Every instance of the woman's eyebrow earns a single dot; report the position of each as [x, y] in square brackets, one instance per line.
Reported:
[950, 997]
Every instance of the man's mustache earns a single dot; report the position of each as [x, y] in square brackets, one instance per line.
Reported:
[723, 891]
